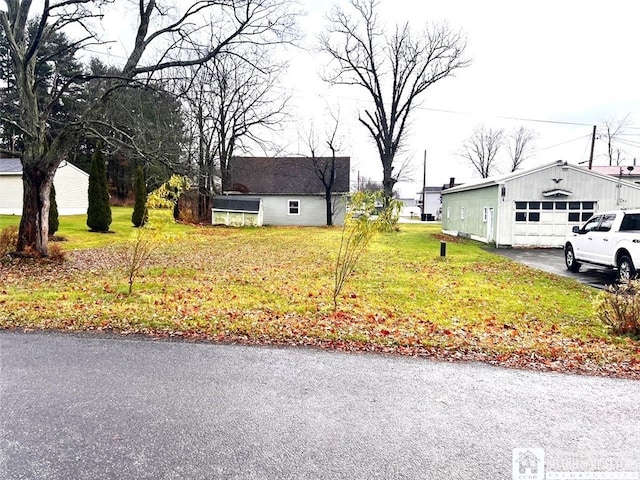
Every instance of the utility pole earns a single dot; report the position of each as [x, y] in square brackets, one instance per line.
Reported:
[423, 215]
[593, 142]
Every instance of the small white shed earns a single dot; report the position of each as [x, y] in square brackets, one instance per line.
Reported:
[234, 211]
[71, 184]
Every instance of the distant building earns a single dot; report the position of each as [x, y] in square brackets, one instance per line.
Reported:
[410, 208]
[71, 184]
[283, 191]
[433, 203]
[628, 173]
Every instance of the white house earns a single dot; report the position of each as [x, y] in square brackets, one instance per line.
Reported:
[410, 208]
[433, 202]
[536, 207]
[289, 189]
[71, 184]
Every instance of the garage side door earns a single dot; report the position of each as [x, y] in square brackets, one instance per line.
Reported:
[546, 223]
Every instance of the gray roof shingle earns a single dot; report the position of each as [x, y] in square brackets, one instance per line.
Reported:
[286, 175]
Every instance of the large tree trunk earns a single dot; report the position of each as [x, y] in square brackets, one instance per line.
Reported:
[37, 170]
[34, 224]
[327, 199]
[37, 173]
[388, 182]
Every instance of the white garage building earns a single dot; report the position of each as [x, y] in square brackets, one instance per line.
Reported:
[536, 207]
[71, 184]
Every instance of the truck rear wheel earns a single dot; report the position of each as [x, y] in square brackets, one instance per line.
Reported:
[626, 270]
[570, 259]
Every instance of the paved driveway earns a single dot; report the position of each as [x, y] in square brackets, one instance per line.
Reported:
[552, 260]
[79, 407]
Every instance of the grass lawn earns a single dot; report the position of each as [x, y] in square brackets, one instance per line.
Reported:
[273, 285]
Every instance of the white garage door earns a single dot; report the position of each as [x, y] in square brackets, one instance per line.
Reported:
[545, 224]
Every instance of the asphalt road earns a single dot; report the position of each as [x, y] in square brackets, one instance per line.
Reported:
[85, 407]
[552, 260]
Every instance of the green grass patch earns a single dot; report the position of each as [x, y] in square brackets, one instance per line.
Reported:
[273, 285]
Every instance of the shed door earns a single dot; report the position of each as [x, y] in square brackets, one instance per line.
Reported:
[547, 223]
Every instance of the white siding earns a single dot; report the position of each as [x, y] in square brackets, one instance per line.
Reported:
[10, 194]
[433, 204]
[71, 184]
[313, 210]
[553, 226]
[236, 219]
[588, 191]
[72, 190]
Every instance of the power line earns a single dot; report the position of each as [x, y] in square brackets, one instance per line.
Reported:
[562, 143]
[300, 93]
[628, 143]
[504, 117]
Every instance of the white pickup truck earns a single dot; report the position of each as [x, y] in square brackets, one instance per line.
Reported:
[610, 239]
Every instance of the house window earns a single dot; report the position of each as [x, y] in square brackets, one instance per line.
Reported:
[448, 213]
[484, 214]
[294, 207]
[461, 213]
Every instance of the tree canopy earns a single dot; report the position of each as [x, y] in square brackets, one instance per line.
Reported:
[394, 69]
[167, 35]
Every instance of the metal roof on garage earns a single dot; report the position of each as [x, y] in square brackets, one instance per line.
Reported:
[501, 179]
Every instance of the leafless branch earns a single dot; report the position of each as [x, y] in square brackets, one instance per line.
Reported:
[481, 149]
[394, 70]
[519, 145]
[614, 128]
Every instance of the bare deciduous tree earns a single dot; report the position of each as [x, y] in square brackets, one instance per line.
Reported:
[325, 167]
[366, 184]
[246, 105]
[481, 149]
[202, 149]
[165, 38]
[395, 70]
[232, 102]
[519, 145]
[614, 128]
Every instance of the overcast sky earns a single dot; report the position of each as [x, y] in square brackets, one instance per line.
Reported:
[557, 67]
[542, 64]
